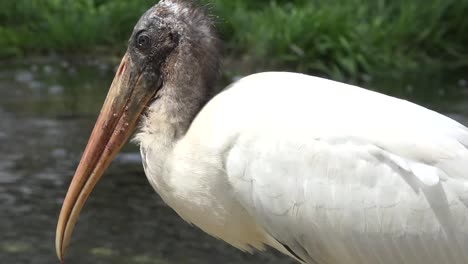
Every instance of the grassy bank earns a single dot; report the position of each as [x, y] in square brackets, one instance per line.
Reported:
[344, 39]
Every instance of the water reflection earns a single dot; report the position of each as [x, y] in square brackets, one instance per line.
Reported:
[47, 109]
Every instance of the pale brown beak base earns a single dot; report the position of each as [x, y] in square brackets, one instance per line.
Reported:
[119, 116]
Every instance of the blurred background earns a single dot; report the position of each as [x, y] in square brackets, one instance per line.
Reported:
[58, 57]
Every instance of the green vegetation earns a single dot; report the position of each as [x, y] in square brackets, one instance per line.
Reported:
[347, 37]
[344, 39]
[33, 26]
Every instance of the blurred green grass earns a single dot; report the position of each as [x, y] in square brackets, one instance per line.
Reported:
[342, 39]
[36, 26]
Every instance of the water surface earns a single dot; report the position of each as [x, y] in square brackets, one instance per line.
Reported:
[47, 110]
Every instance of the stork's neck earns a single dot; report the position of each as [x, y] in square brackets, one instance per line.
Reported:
[188, 85]
[167, 121]
[189, 76]
[185, 91]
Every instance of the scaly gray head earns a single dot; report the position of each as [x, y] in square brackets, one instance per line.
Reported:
[170, 69]
[176, 42]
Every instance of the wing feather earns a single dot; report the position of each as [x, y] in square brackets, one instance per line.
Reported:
[345, 175]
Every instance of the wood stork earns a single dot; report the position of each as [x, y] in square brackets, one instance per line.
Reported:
[322, 171]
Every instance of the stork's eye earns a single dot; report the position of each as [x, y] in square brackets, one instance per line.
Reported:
[143, 41]
[174, 36]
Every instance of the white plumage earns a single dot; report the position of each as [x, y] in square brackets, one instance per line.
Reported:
[332, 172]
[325, 172]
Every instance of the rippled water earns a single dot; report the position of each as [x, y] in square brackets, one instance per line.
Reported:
[47, 109]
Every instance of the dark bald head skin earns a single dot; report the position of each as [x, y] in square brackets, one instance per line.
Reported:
[176, 41]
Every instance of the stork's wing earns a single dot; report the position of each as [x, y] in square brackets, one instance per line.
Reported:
[344, 175]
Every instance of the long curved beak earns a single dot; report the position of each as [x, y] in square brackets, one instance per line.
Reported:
[126, 100]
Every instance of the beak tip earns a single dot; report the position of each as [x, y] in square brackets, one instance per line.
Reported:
[60, 250]
[61, 256]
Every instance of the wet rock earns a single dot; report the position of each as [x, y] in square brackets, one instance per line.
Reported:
[103, 68]
[24, 76]
[35, 85]
[59, 153]
[34, 68]
[236, 78]
[366, 78]
[128, 158]
[48, 70]
[64, 64]
[7, 178]
[56, 89]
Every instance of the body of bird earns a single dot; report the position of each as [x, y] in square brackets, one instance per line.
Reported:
[338, 173]
[322, 171]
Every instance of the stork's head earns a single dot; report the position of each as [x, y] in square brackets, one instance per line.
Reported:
[172, 56]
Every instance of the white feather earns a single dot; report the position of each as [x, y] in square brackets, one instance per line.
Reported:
[337, 173]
